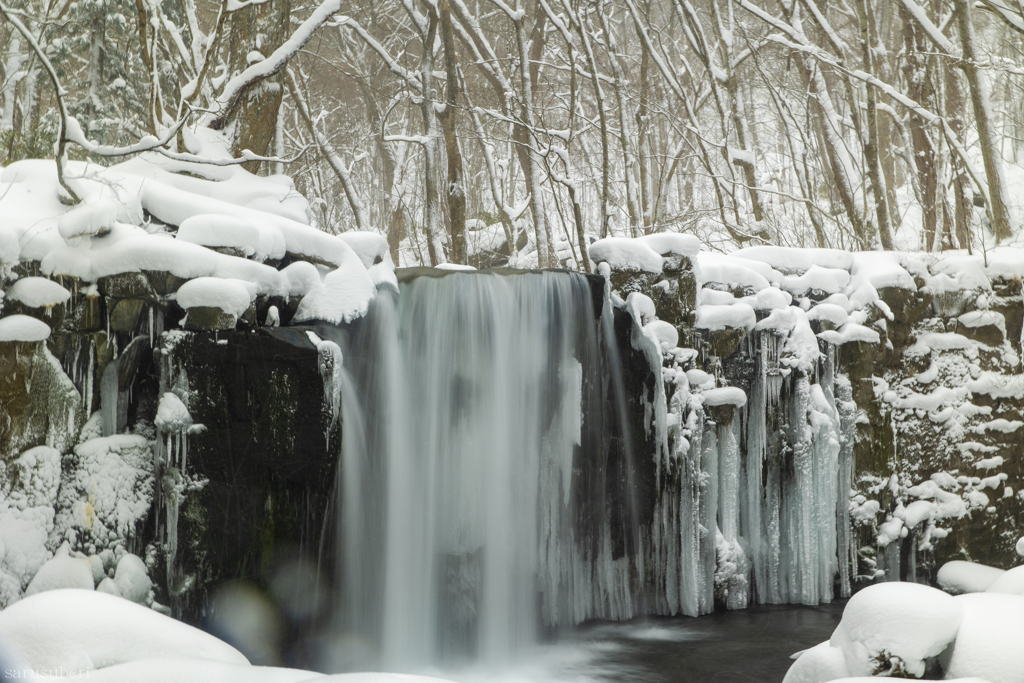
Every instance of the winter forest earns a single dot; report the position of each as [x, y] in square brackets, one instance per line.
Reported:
[512, 341]
[480, 133]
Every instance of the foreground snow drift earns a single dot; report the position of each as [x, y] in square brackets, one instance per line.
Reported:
[88, 634]
[912, 631]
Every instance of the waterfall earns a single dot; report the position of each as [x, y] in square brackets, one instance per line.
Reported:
[512, 459]
[471, 398]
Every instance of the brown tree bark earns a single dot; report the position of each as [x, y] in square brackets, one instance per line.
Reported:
[258, 28]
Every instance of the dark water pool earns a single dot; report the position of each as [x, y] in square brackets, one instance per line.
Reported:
[745, 646]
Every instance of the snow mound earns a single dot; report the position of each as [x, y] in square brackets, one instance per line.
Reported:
[623, 253]
[38, 292]
[664, 332]
[737, 316]
[22, 328]
[1010, 582]
[171, 414]
[989, 641]
[88, 630]
[673, 243]
[217, 230]
[132, 579]
[231, 296]
[905, 620]
[60, 572]
[958, 577]
[343, 296]
[733, 396]
[87, 219]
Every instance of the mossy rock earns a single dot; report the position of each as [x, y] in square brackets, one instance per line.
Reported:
[126, 286]
[907, 308]
[952, 304]
[38, 402]
[164, 283]
[989, 335]
[85, 314]
[209, 318]
[722, 415]
[725, 342]
[125, 315]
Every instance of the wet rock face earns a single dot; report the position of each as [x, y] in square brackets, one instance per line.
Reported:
[38, 403]
[262, 468]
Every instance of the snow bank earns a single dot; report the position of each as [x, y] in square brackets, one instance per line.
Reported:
[204, 208]
[216, 230]
[26, 519]
[905, 620]
[737, 316]
[673, 243]
[343, 296]
[106, 638]
[61, 571]
[87, 630]
[734, 272]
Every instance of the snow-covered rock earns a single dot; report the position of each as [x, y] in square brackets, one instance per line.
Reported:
[22, 328]
[988, 643]
[38, 292]
[907, 621]
[958, 577]
[1010, 582]
[61, 571]
[132, 578]
[818, 664]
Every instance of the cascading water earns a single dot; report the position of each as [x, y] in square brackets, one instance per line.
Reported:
[461, 527]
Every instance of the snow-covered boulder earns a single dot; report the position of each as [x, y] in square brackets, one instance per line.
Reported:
[61, 571]
[132, 578]
[896, 626]
[988, 643]
[819, 664]
[959, 576]
[22, 328]
[1010, 582]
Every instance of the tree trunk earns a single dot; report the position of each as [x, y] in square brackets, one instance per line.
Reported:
[258, 28]
[997, 209]
[455, 192]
